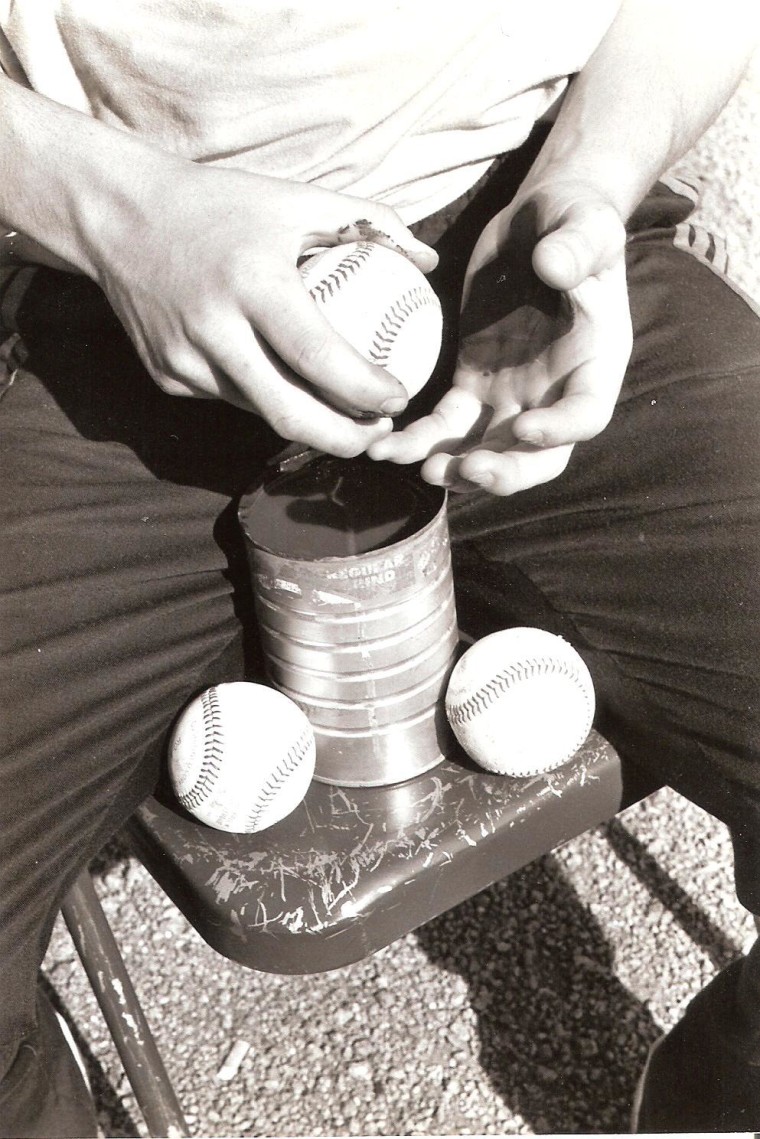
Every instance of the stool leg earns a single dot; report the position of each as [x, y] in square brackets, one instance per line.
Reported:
[104, 965]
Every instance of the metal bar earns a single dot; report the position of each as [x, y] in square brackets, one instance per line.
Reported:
[104, 965]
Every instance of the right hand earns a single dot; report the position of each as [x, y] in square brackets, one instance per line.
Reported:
[201, 268]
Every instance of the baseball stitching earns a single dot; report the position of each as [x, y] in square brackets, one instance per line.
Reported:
[393, 321]
[290, 762]
[496, 687]
[337, 277]
[213, 741]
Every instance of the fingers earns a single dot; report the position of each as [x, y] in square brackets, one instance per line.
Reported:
[498, 462]
[573, 420]
[586, 406]
[457, 415]
[583, 412]
[394, 236]
[499, 472]
[279, 306]
[589, 239]
[593, 357]
[216, 307]
[246, 375]
[231, 362]
[517, 429]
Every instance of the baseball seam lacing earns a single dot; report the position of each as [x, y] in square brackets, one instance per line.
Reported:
[498, 685]
[333, 281]
[289, 763]
[394, 319]
[213, 739]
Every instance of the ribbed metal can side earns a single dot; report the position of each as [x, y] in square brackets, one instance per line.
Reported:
[364, 644]
[339, 656]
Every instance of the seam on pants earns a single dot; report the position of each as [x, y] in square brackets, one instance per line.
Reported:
[708, 248]
[15, 281]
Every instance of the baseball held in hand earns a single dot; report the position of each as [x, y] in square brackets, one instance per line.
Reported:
[382, 305]
[520, 701]
[241, 757]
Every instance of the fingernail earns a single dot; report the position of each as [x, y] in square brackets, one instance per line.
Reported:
[534, 438]
[425, 253]
[394, 406]
[483, 478]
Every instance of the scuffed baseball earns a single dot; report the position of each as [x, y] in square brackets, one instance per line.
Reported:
[382, 305]
[241, 757]
[520, 701]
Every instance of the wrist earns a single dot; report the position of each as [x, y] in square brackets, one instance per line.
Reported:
[638, 105]
[116, 206]
[570, 167]
[69, 181]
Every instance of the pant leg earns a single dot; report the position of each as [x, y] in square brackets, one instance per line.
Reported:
[44, 1093]
[123, 588]
[705, 1074]
[644, 554]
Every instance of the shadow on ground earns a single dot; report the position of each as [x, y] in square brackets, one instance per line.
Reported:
[562, 1040]
[560, 1037]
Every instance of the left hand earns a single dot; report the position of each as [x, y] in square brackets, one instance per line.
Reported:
[544, 342]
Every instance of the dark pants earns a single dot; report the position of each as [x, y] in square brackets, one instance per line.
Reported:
[125, 592]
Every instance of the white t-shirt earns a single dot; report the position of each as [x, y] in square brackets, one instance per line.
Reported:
[401, 101]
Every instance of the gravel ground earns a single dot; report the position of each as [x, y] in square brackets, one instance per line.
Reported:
[528, 1010]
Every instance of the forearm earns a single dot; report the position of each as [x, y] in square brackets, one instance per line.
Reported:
[658, 79]
[65, 178]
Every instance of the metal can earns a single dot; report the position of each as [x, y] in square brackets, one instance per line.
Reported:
[351, 571]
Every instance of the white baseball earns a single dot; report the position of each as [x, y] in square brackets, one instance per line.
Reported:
[520, 701]
[382, 305]
[241, 757]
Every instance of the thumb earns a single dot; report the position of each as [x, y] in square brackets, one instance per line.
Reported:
[590, 238]
[386, 228]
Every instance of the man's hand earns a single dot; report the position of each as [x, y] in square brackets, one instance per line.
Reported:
[202, 272]
[200, 264]
[545, 340]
